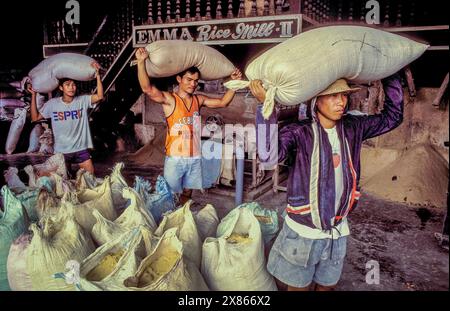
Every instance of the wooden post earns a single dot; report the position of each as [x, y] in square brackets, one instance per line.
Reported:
[441, 92]
[410, 81]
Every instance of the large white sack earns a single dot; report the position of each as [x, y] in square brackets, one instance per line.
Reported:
[20, 116]
[207, 221]
[86, 180]
[187, 232]
[46, 141]
[236, 265]
[44, 77]
[12, 224]
[12, 179]
[60, 240]
[125, 252]
[18, 277]
[134, 216]
[86, 201]
[12, 103]
[55, 164]
[169, 57]
[35, 134]
[47, 204]
[301, 67]
[62, 186]
[118, 183]
[166, 269]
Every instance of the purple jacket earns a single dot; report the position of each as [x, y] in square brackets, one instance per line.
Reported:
[311, 188]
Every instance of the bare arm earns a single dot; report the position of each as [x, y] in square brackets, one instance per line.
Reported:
[96, 98]
[144, 81]
[35, 115]
[227, 97]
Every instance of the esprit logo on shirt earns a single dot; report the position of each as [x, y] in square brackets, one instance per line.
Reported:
[67, 115]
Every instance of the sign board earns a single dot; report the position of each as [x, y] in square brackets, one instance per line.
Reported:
[267, 29]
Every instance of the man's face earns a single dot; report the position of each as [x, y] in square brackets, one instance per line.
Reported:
[332, 106]
[189, 82]
[69, 88]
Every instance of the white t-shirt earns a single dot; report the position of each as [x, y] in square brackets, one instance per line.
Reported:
[70, 123]
[343, 228]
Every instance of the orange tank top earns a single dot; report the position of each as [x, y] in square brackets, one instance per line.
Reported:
[184, 129]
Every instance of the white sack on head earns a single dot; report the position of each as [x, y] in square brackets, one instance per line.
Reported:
[170, 57]
[44, 77]
[301, 67]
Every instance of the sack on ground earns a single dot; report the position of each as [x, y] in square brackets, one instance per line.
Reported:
[134, 216]
[159, 202]
[207, 221]
[36, 132]
[268, 220]
[44, 77]
[20, 116]
[12, 224]
[18, 277]
[165, 269]
[183, 220]
[61, 243]
[234, 261]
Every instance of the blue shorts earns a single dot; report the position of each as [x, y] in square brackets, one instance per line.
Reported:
[298, 261]
[183, 173]
[77, 157]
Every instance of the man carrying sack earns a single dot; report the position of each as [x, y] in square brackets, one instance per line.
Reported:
[182, 167]
[323, 182]
[70, 122]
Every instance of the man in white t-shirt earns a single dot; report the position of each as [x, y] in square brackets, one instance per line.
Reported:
[323, 182]
[70, 120]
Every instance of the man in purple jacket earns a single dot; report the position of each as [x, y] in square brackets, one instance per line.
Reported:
[323, 182]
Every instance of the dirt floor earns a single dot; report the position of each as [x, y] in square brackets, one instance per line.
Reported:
[397, 236]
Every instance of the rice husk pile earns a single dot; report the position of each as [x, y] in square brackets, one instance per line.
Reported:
[418, 176]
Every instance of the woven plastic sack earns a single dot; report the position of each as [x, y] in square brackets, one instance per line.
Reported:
[268, 220]
[234, 261]
[187, 232]
[166, 269]
[207, 221]
[86, 201]
[134, 216]
[46, 142]
[112, 263]
[301, 67]
[20, 116]
[12, 179]
[35, 134]
[18, 277]
[170, 57]
[61, 241]
[117, 185]
[44, 77]
[12, 225]
[159, 202]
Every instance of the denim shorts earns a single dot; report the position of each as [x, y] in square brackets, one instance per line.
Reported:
[298, 261]
[183, 173]
[77, 157]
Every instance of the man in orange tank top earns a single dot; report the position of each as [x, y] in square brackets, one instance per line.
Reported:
[182, 167]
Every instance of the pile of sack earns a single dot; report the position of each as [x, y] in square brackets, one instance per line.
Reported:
[101, 234]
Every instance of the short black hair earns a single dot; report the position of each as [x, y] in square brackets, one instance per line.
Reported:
[64, 80]
[191, 70]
